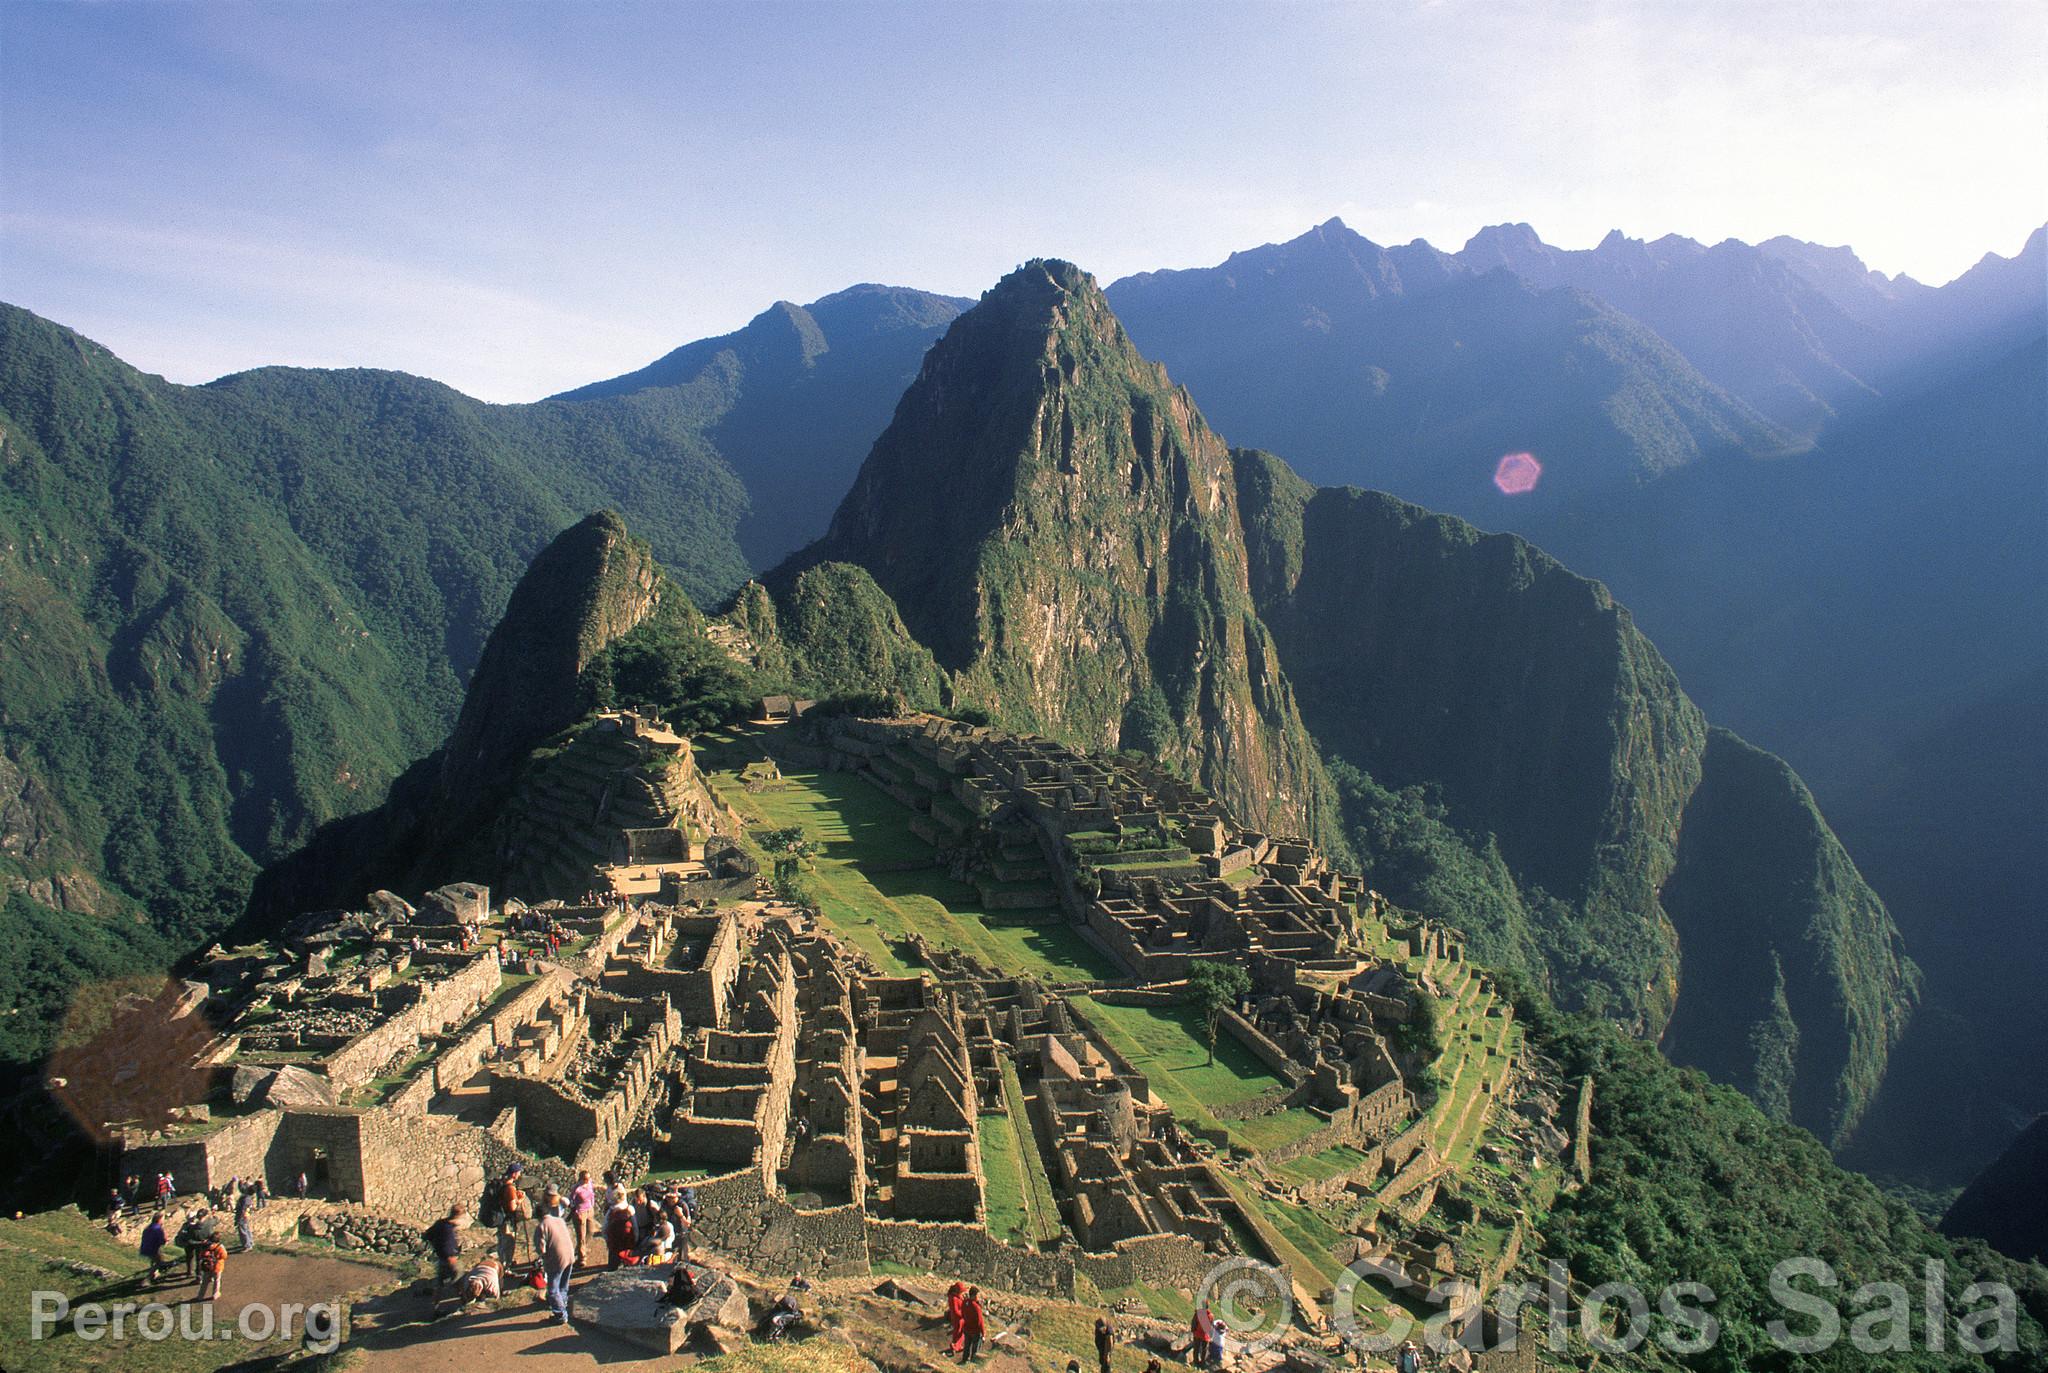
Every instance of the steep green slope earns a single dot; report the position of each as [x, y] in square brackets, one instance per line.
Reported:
[235, 612]
[793, 401]
[1691, 1183]
[1058, 524]
[836, 633]
[1583, 812]
[1804, 985]
[587, 590]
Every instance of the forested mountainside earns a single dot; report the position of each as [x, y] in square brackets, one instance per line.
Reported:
[1653, 866]
[793, 401]
[237, 611]
[1060, 526]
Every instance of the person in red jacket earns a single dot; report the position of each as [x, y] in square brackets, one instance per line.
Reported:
[973, 1325]
[956, 1300]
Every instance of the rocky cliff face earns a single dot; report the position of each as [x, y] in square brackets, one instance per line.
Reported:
[590, 586]
[1058, 523]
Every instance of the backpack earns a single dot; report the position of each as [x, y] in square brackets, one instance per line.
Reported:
[213, 1258]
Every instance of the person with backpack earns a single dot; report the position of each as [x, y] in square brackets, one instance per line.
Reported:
[1200, 1331]
[1105, 1340]
[512, 1212]
[193, 1236]
[152, 1248]
[213, 1264]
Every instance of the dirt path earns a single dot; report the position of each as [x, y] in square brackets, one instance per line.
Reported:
[397, 1333]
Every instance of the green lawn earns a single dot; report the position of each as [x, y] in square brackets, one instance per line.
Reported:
[1044, 1211]
[859, 830]
[1166, 1043]
[1002, 1173]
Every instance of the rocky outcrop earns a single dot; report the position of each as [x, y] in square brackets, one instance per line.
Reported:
[1057, 523]
[590, 586]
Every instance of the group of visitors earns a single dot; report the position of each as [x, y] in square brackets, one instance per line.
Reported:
[198, 1241]
[560, 1233]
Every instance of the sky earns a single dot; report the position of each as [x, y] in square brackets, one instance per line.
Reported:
[516, 198]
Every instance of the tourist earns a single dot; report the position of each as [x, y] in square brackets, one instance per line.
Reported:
[1105, 1340]
[1410, 1359]
[583, 1211]
[245, 1229]
[193, 1236]
[1200, 1331]
[444, 1238]
[680, 1220]
[1219, 1335]
[152, 1248]
[1152, 1366]
[262, 1193]
[643, 1212]
[785, 1313]
[956, 1299]
[551, 1204]
[689, 1200]
[213, 1264]
[660, 1241]
[973, 1325]
[620, 1235]
[484, 1282]
[163, 1188]
[114, 1210]
[554, 1244]
[512, 1211]
[302, 1186]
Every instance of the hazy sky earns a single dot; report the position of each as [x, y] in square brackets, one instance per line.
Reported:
[516, 198]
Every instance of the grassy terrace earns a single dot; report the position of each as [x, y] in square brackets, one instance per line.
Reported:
[1166, 1043]
[860, 833]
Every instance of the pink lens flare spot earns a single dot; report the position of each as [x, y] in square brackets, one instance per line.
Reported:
[1517, 474]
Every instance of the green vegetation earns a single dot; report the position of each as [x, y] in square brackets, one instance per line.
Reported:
[666, 666]
[1692, 1182]
[1213, 988]
[239, 611]
[1166, 1044]
[874, 883]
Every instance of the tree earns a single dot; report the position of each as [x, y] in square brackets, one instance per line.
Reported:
[1214, 987]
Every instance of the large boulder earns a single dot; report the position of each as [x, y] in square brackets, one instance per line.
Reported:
[388, 908]
[458, 903]
[248, 1083]
[296, 1086]
[627, 1303]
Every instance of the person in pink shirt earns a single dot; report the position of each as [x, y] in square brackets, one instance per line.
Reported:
[583, 1209]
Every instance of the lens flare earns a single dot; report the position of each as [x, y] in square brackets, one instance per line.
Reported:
[1517, 474]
